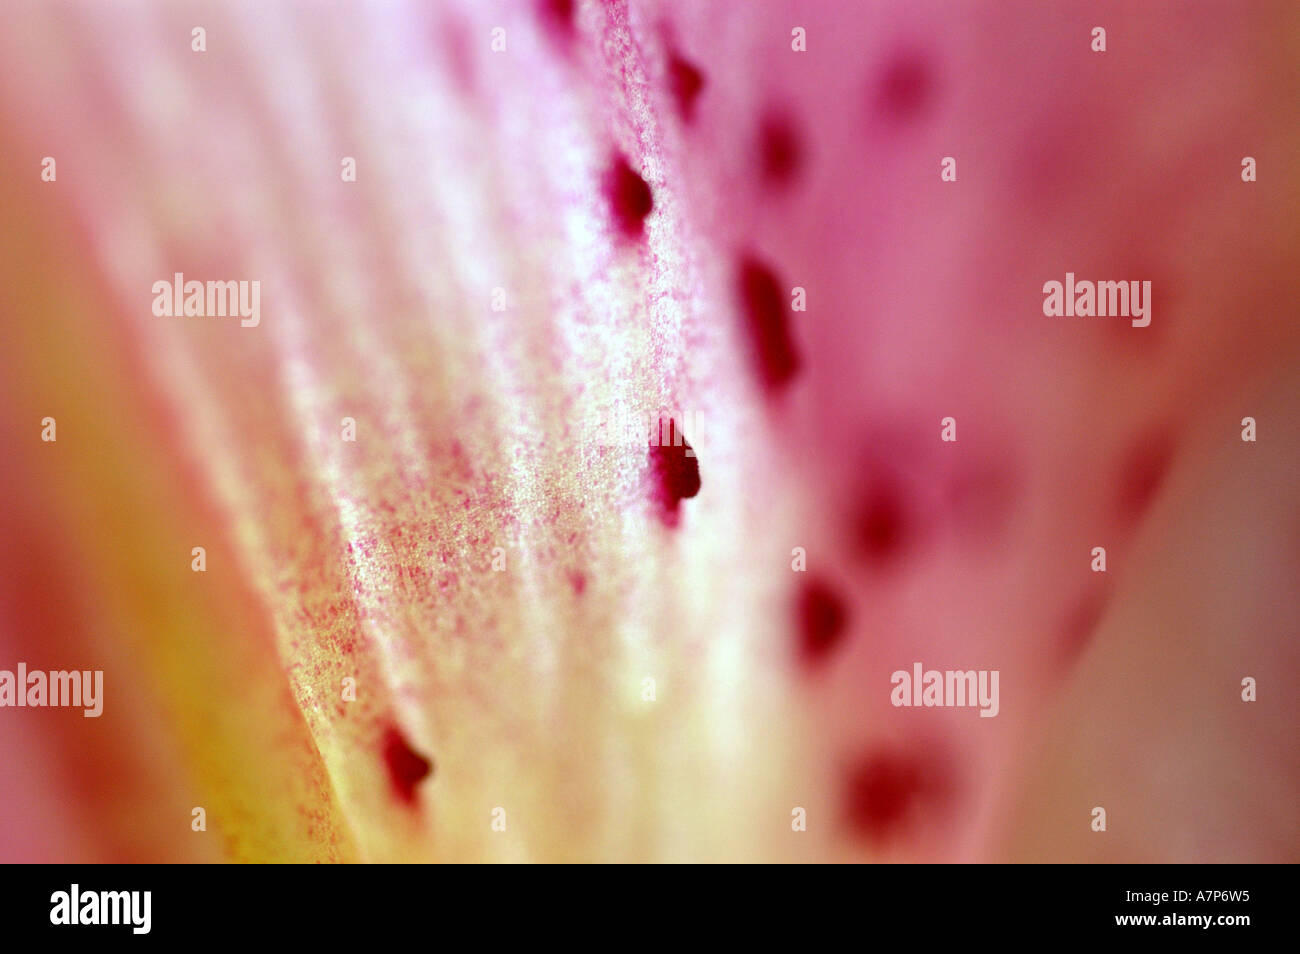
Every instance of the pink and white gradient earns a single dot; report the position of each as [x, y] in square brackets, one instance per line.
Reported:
[523, 688]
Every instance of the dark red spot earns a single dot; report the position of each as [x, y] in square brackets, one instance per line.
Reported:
[881, 793]
[406, 767]
[906, 88]
[686, 82]
[674, 470]
[1142, 473]
[821, 617]
[883, 525]
[558, 14]
[779, 150]
[578, 581]
[763, 304]
[629, 197]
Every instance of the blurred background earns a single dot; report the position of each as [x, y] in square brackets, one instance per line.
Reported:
[484, 232]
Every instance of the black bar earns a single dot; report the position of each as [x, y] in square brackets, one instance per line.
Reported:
[309, 905]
